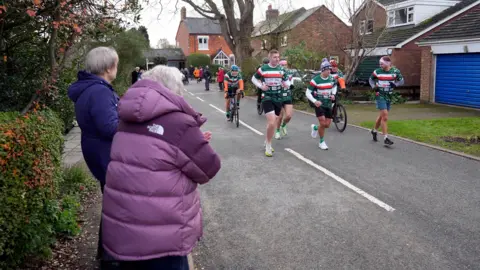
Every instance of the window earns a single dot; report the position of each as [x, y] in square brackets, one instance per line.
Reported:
[366, 27]
[284, 41]
[264, 44]
[221, 59]
[202, 43]
[400, 16]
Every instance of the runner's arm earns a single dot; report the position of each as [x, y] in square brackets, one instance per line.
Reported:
[400, 81]
[334, 90]
[257, 82]
[308, 93]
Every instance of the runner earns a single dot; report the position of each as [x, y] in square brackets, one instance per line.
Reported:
[287, 105]
[271, 78]
[233, 83]
[321, 93]
[383, 80]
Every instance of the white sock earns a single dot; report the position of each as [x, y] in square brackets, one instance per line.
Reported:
[385, 136]
[374, 130]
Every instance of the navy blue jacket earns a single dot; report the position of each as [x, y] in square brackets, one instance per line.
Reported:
[96, 113]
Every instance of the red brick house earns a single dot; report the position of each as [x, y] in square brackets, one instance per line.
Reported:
[202, 35]
[318, 27]
[393, 27]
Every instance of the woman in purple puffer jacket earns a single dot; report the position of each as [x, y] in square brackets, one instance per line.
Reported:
[151, 207]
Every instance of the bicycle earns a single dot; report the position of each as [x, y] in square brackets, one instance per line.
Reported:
[339, 115]
[234, 115]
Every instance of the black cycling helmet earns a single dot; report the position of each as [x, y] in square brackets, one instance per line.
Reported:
[266, 60]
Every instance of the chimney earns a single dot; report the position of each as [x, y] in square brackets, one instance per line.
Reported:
[272, 13]
[183, 13]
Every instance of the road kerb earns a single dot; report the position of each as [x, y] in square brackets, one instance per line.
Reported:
[412, 141]
[191, 266]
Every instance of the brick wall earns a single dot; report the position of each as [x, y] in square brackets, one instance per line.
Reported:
[372, 11]
[182, 38]
[409, 63]
[322, 32]
[426, 81]
[215, 42]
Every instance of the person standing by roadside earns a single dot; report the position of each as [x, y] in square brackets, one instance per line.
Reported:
[135, 75]
[151, 207]
[220, 78]
[383, 80]
[140, 73]
[207, 75]
[196, 74]
[96, 112]
[191, 69]
[200, 77]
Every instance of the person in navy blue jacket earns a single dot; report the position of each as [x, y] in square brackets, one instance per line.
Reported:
[96, 112]
[96, 108]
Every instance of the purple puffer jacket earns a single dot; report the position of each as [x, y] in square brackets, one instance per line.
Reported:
[151, 205]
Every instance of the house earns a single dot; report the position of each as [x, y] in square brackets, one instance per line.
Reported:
[449, 49]
[174, 56]
[318, 27]
[393, 27]
[202, 35]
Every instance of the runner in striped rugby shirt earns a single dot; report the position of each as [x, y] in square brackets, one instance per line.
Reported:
[321, 93]
[286, 114]
[383, 80]
[271, 78]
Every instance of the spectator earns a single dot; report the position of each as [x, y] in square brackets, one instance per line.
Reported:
[140, 73]
[196, 73]
[190, 71]
[151, 207]
[96, 111]
[207, 75]
[135, 75]
[201, 74]
[220, 78]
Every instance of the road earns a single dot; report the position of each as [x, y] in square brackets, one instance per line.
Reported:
[359, 205]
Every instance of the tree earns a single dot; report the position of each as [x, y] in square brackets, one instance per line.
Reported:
[142, 29]
[362, 44]
[236, 32]
[163, 43]
[299, 57]
[47, 35]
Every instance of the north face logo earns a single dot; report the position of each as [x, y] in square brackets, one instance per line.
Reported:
[156, 129]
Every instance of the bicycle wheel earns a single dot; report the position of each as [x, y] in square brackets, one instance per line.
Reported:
[232, 112]
[237, 116]
[259, 108]
[340, 118]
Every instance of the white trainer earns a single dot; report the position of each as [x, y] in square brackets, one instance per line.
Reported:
[314, 132]
[323, 145]
[277, 135]
[268, 150]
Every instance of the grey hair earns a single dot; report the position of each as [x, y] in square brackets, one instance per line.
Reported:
[100, 59]
[170, 77]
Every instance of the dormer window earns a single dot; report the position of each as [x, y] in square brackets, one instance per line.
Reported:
[366, 27]
[264, 44]
[400, 16]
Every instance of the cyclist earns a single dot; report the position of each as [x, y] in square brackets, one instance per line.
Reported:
[259, 91]
[287, 110]
[271, 78]
[233, 84]
[337, 75]
[321, 93]
[383, 80]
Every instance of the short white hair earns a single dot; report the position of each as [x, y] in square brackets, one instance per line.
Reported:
[100, 59]
[170, 77]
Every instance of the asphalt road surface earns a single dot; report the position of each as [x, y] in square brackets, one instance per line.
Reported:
[359, 205]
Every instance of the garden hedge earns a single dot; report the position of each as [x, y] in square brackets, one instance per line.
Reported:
[30, 164]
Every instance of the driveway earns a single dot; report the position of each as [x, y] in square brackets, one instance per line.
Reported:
[359, 205]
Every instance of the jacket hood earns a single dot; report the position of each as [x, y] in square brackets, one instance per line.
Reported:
[85, 80]
[147, 100]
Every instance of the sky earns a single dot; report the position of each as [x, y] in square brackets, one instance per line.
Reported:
[162, 20]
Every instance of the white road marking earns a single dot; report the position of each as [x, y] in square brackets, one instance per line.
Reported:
[241, 122]
[200, 99]
[191, 93]
[342, 181]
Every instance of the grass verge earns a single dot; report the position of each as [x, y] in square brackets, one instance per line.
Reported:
[459, 134]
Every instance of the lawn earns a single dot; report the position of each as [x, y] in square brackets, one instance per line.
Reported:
[459, 134]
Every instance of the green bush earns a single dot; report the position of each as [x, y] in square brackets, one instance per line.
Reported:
[198, 59]
[396, 97]
[298, 91]
[214, 68]
[30, 159]
[249, 66]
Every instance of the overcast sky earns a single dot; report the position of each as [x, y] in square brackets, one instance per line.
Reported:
[163, 22]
